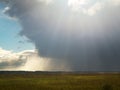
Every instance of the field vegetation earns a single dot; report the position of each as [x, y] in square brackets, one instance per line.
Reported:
[33, 81]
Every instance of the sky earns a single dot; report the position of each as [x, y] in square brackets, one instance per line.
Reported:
[9, 30]
[60, 35]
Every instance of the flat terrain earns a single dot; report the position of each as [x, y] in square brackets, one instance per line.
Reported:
[59, 81]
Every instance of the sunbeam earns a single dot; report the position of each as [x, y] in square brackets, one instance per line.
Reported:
[79, 35]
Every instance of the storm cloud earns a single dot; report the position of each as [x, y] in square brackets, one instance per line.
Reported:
[75, 40]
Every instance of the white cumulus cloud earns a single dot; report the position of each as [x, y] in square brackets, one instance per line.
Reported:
[94, 9]
[91, 7]
[27, 60]
[76, 4]
[115, 2]
[10, 59]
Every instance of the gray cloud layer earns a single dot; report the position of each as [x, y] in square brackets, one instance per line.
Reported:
[80, 41]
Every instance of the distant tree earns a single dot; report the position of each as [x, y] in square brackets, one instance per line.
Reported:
[107, 87]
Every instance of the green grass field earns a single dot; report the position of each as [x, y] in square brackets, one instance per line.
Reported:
[60, 82]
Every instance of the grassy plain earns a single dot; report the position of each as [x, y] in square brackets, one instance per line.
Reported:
[62, 81]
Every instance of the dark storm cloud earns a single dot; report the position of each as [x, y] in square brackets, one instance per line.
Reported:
[84, 42]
